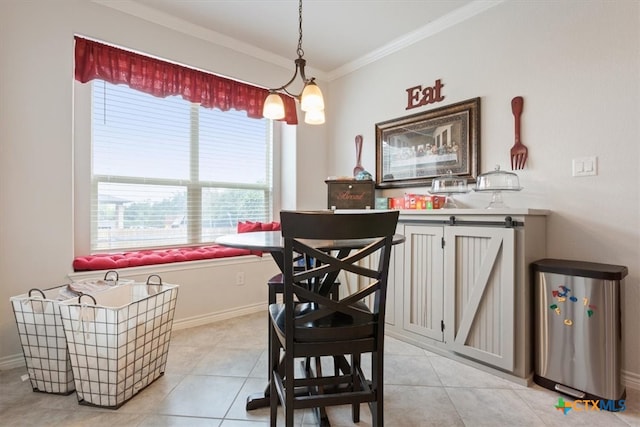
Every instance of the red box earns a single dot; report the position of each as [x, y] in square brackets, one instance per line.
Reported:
[396, 203]
[435, 201]
[415, 201]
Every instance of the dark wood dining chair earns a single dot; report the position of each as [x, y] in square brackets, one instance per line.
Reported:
[310, 323]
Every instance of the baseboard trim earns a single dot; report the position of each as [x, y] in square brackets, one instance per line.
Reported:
[205, 319]
[631, 380]
[17, 360]
[13, 361]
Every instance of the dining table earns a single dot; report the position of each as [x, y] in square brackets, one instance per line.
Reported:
[273, 243]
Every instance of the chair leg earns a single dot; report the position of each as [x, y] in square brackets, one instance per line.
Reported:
[377, 406]
[319, 390]
[355, 381]
[274, 357]
[289, 389]
[306, 366]
[272, 298]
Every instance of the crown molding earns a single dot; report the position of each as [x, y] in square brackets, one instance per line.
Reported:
[449, 20]
[160, 18]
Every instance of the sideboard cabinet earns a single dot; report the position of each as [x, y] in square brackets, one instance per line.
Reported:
[460, 285]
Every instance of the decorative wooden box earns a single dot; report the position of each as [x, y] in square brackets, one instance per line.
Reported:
[350, 194]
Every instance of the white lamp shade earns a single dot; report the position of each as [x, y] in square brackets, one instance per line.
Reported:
[314, 117]
[273, 107]
[311, 98]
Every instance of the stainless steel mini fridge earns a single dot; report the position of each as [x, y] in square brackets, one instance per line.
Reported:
[578, 334]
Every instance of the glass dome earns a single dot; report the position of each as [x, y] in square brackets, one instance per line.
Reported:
[498, 180]
[449, 184]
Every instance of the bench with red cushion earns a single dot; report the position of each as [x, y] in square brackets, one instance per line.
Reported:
[111, 261]
[152, 257]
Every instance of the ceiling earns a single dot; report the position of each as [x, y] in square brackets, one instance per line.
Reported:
[337, 34]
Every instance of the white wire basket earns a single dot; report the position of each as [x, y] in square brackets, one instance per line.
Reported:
[118, 340]
[43, 340]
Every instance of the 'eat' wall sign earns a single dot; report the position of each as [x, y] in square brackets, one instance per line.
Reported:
[419, 96]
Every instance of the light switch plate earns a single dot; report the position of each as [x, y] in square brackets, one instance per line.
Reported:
[585, 166]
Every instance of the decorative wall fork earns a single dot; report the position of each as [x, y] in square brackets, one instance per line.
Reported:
[518, 152]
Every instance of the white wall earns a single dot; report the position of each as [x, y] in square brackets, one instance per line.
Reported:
[577, 65]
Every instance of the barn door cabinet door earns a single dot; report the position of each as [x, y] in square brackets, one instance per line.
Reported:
[479, 295]
[459, 289]
[423, 281]
[396, 274]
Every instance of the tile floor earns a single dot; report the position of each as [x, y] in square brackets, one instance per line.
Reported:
[212, 369]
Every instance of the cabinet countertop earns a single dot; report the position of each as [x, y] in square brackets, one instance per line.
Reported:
[409, 213]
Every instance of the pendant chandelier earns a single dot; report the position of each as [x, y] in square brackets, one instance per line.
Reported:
[311, 100]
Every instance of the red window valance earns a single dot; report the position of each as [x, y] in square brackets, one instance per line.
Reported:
[160, 78]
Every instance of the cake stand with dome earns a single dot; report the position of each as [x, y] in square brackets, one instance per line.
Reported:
[449, 185]
[496, 182]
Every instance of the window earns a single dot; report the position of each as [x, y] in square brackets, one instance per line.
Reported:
[167, 172]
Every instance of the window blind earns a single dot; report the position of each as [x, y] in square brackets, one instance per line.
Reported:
[167, 172]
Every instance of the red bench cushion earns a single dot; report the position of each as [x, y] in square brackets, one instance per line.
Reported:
[152, 257]
[164, 256]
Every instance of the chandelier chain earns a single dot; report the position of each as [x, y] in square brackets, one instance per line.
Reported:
[300, 51]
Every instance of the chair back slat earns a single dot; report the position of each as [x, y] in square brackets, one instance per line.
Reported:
[322, 225]
[354, 243]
